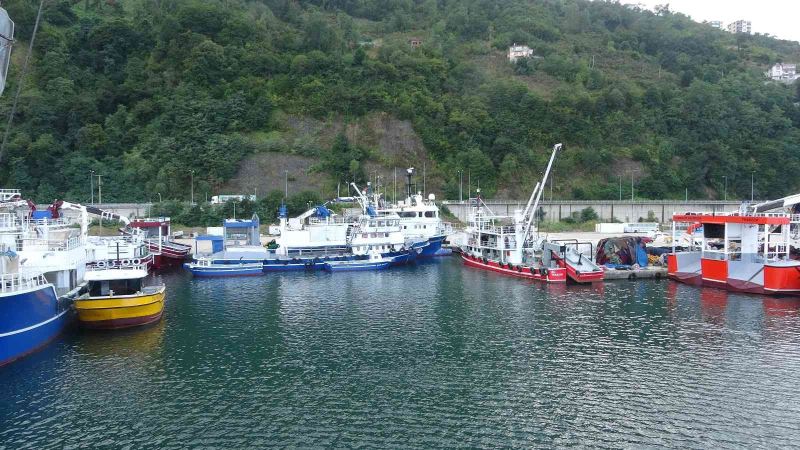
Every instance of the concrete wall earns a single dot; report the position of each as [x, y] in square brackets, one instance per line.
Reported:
[623, 211]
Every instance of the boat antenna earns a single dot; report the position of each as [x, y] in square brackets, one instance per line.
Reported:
[21, 81]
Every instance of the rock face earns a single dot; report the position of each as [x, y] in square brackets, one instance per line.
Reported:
[301, 141]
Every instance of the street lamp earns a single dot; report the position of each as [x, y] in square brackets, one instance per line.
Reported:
[726, 187]
[192, 201]
[234, 209]
[752, 185]
[159, 197]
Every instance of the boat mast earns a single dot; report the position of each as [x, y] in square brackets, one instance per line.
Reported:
[556, 148]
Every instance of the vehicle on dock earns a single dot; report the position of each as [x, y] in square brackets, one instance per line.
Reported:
[117, 298]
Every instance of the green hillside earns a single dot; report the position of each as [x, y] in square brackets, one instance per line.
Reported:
[147, 91]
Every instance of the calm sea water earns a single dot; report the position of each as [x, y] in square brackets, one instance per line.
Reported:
[435, 355]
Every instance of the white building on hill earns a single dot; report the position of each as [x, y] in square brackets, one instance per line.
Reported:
[786, 73]
[516, 52]
[740, 26]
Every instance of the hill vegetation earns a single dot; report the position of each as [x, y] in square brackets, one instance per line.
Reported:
[147, 91]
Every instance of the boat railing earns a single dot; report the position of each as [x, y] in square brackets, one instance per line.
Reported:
[53, 245]
[733, 214]
[15, 282]
[8, 220]
[8, 194]
[97, 266]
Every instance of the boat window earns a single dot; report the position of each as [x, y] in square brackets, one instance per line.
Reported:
[429, 214]
[380, 223]
[405, 227]
[419, 214]
[407, 214]
[386, 235]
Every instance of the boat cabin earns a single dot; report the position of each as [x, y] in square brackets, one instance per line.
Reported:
[737, 251]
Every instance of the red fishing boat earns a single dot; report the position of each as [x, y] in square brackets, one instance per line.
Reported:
[508, 244]
[157, 234]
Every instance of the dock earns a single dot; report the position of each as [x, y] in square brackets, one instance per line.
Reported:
[654, 272]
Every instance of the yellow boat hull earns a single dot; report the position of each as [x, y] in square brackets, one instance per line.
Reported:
[113, 312]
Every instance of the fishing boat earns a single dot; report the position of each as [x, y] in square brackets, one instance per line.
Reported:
[508, 244]
[118, 298]
[374, 262]
[42, 266]
[419, 219]
[318, 234]
[744, 251]
[157, 234]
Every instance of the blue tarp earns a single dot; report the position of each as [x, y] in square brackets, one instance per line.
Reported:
[45, 214]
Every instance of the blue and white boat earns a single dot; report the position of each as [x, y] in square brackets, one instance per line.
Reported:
[374, 262]
[419, 219]
[207, 269]
[42, 266]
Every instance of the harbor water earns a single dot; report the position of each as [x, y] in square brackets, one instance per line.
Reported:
[431, 355]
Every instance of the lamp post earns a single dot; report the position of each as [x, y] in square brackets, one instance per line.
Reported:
[159, 197]
[752, 185]
[620, 188]
[100, 188]
[234, 209]
[726, 188]
[192, 200]
[91, 185]
[286, 185]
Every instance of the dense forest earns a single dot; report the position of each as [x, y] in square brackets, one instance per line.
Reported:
[154, 93]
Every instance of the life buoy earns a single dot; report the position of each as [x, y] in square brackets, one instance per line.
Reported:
[136, 262]
[125, 262]
[100, 264]
[543, 271]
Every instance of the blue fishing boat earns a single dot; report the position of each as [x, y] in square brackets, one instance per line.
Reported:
[32, 315]
[207, 269]
[42, 265]
[375, 262]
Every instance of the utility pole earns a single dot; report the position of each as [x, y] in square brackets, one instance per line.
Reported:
[469, 183]
[286, 186]
[394, 194]
[100, 188]
[752, 186]
[687, 195]
[461, 186]
[192, 200]
[551, 186]
[91, 185]
[620, 188]
[631, 186]
[726, 187]
[424, 190]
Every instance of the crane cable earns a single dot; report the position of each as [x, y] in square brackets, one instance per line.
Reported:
[20, 83]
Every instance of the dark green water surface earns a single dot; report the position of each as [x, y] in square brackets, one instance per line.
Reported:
[435, 355]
